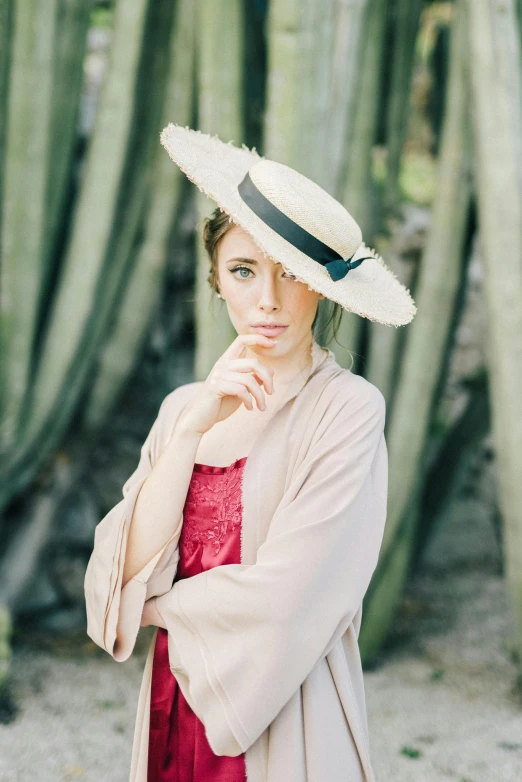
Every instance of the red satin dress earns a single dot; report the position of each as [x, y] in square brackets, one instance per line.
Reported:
[178, 747]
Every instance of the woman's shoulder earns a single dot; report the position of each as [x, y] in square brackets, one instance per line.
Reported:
[181, 394]
[346, 389]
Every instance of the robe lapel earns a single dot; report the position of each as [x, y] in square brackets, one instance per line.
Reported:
[259, 457]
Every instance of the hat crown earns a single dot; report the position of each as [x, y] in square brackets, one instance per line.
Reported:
[308, 205]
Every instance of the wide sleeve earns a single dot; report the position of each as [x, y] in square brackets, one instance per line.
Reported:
[243, 638]
[113, 613]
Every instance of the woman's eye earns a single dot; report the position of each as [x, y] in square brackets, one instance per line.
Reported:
[246, 269]
[241, 268]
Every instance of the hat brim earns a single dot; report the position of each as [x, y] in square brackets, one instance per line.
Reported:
[216, 167]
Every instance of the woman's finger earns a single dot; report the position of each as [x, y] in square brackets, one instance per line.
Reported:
[231, 388]
[251, 384]
[262, 373]
[236, 348]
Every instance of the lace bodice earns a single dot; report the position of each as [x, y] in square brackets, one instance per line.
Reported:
[213, 506]
[210, 536]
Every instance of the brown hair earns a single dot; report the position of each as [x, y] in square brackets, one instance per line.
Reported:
[214, 229]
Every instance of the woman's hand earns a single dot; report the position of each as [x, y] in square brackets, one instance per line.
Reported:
[231, 381]
[151, 615]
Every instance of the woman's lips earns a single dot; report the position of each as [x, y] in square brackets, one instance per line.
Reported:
[269, 332]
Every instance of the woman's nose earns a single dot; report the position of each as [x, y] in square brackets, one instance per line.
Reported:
[269, 297]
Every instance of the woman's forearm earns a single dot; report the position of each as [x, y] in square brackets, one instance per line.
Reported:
[159, 507]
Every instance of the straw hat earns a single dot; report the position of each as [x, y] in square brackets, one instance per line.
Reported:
[294, 222]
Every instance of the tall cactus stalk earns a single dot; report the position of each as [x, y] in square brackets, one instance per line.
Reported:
[355, 66]
[220, 111]
[26, 173]
[141, 294]
[81, 307]
[6, 629]
[407, 16]
[5, 39]
[355, 182]
[496, 90]
[385, 345]
[357, 166]
[76, 297]
[315, 64]
[312, 76]
[428, 336]
[70, 43]
[282, 116]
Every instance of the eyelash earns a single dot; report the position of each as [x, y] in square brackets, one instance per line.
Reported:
[236, 268]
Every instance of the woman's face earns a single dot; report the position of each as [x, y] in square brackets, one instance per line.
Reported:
[257, 289]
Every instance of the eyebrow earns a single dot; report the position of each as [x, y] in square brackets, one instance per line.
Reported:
[240, 259]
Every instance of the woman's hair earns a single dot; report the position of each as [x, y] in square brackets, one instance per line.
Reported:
[214, 229]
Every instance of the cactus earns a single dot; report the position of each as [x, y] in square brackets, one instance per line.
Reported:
[426, 346]
[8, 708]
[83, 251]
[355, 174]
[220, 111]
[118, 356]
[58, 313]
[26, 175]
[496, 90]
[405, 27]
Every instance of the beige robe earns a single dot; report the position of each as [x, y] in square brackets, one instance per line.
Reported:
[266, 651]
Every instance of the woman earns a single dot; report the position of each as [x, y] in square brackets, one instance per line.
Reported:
[249, 532]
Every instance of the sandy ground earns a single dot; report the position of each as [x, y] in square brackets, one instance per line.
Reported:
[443, 701]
